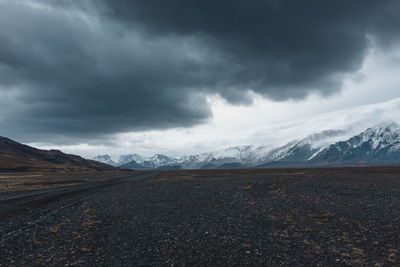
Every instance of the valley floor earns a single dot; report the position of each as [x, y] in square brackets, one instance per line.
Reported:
[289, 217]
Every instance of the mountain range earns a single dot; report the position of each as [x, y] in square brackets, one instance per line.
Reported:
[378, 145]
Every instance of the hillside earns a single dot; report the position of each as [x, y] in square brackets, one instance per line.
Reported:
[16, 157]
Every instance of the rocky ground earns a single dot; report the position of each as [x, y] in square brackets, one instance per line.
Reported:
[287, 217]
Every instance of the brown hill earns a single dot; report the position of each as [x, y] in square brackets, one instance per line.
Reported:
[16, 157]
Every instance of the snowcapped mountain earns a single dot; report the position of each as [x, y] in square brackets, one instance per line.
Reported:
[128, 158]
[379, 137]
[158, 160]
[246, 155]
[239, 153]
[301, 150]
[229, 155]
[377, 145]
[105, 159]
[124, 159]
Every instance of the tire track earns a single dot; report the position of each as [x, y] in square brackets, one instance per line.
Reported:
[37, 203]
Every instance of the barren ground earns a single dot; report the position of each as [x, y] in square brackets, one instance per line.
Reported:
[330, 216]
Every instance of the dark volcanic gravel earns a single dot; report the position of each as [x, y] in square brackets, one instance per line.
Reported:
[289, 217]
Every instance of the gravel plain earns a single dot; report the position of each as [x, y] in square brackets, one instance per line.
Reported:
[253, 217]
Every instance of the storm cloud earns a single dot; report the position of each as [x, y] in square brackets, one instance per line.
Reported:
[104, 67]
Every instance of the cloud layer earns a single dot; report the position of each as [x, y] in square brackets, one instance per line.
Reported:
[104, 67]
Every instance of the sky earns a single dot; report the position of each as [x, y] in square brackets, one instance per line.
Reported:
[185, 77]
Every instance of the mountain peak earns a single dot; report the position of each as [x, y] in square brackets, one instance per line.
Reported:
[385, 126]
[124, 159]
[379, 144]
[383, 133]
[105, 159]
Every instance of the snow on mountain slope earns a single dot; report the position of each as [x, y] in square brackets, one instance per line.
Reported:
[247, 155]
[161, 160]
[229, 155]
[298, 150]
[302, 150]
[351, 120]
[379, 144]
[236, 152]
[379, 136]
[124, 159]
[105, 159]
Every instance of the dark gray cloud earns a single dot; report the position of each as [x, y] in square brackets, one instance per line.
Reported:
[283, 49]
[85, 71]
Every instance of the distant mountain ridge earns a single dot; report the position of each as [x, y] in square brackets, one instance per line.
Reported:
[376, 145]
